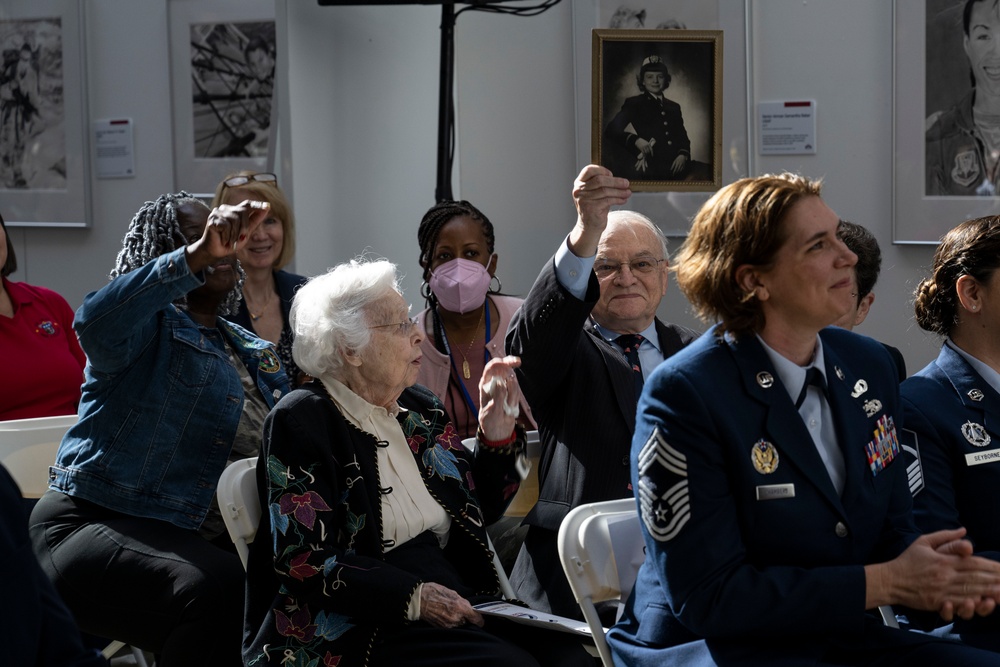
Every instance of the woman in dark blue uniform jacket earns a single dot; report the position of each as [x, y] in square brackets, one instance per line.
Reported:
[952, 406]
[772, 524]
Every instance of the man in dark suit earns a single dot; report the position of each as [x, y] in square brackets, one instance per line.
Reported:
[605, 281]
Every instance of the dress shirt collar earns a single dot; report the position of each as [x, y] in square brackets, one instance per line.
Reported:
[791, 374]
[991, 377]
[649, 333]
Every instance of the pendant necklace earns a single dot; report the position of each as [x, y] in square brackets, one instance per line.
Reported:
[256, 316]
[465, 355]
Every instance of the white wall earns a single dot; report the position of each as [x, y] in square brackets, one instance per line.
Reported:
[361, 107]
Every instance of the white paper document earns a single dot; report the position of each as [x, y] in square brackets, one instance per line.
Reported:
[528, 616]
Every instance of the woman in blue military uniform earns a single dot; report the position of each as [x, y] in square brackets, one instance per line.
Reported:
[952, 407]
[771, 495]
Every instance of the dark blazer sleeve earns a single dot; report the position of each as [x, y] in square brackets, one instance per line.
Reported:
[545, 333]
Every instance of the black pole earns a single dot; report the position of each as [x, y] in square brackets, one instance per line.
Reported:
[443, 189]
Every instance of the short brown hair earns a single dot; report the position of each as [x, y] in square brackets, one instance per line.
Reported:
[740, 224]
[10, 266]
[280, 208]
[970, 249]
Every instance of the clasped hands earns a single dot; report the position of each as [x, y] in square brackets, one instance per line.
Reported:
[937, 573]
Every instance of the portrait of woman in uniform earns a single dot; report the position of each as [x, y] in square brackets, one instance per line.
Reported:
[657, 107]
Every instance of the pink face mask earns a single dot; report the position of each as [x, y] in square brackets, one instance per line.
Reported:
[460, 285]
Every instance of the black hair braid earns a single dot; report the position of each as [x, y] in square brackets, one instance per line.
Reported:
[153, 231]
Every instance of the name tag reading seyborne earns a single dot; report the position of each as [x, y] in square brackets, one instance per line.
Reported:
[775, 491]
[979, 458]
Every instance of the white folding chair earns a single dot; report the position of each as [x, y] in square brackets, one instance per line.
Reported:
[240, 506]
[601, 549]
[28, 447]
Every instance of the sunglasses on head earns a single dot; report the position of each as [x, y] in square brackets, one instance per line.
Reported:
[237, 181]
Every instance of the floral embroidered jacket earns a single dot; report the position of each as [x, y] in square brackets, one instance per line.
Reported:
[319, 589]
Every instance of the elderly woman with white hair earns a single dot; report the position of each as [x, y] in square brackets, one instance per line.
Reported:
[377, 512]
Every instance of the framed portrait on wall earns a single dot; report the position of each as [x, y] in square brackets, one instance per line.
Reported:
[673, 208]
[657, 107]
[44, 160]
[946, 113]
[223, 60]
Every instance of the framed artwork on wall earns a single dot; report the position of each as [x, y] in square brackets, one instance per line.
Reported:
[44, 158]
[946, 154]
[222, 59]
[657, 107]
[669, 206]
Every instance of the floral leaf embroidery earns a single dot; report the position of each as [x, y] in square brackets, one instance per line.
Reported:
[331, 660]
[414, 441]
[277, 473]
[303, 507]
[278, 520]
[449, 438]
[298, 625]
[331, 626]
[300, 569]
[441, 462]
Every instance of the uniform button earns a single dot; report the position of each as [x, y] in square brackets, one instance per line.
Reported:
[625, 460]
[840, 529]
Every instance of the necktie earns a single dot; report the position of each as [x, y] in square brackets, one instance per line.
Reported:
[629, 343]
[814, 377]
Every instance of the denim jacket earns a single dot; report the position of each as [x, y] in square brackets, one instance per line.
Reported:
[161, 401]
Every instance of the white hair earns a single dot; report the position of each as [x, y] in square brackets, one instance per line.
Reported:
[329, 314]
[623, 217]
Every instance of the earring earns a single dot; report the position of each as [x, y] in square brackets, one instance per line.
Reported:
[499, 285]
[425, 290]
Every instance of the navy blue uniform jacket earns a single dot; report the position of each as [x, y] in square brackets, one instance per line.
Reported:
[751, 556]
[953, 425]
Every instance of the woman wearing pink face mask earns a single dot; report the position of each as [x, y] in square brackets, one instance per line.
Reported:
[466, 318]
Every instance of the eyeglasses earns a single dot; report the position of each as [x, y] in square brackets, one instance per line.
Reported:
[642, 265]
[402, 328]
[237, 181]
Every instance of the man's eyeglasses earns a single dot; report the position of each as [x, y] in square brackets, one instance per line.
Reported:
[237, 181]
[401, 328]
[605, 269]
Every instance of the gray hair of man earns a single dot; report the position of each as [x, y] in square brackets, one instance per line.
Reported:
[331, 313]
[635, 218]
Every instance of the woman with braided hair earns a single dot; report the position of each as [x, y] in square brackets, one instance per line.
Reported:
[466, 318]
[128, 530]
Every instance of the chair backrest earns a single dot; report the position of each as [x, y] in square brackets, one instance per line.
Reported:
[28, 447]
[601, 549]
[239, 504]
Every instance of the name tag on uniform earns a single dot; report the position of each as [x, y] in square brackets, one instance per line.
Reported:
[979, 458]
[775, 491]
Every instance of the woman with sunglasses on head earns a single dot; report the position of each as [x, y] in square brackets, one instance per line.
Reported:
[129, 530]
[466, 319]
[268, 290]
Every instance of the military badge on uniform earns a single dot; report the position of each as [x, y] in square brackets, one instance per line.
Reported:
[765, 379]
[45, 328]
[860, 387]
[872, 407]
[965, 171]
[976, 395]
[764, 457]
[976, 434]
[269, 362]
[664, 503]
[884, 447]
